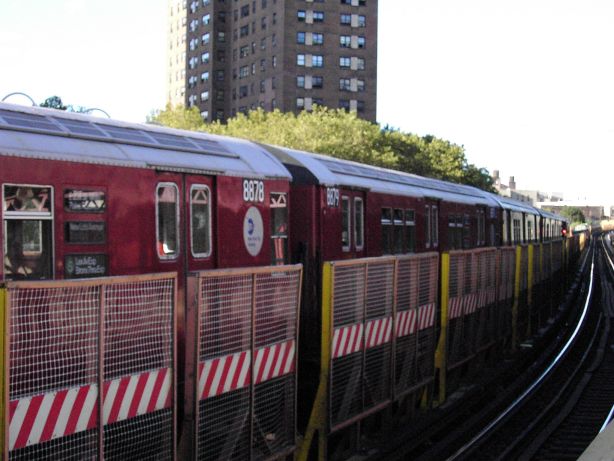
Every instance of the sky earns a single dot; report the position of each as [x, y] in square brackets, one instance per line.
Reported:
[526, 86]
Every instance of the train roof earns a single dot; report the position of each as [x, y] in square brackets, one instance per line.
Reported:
[329, 171]
[513, 205]
[52, 134]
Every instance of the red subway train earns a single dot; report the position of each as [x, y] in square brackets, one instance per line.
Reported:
[85, 197]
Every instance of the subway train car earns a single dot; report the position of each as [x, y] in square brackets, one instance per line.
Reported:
[85, 197]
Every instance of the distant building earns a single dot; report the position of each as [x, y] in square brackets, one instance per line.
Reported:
[528, 196]
[227, 57]
[592, 213]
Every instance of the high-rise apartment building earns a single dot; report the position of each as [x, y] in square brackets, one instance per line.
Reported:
[230, 56]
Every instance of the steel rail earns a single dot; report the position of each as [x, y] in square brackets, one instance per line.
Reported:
[516, 403]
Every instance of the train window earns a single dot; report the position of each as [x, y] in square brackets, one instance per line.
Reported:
[399, 231]
[517, 231]
[200, 228]
[279, 228]
[428, 226]
[167, 230]
[530, 230]
[481, 228]
[410, 230]
[28, 223]
[345, 232]
[435, 226]
[455, 232]
[386, 230]
[359, 224]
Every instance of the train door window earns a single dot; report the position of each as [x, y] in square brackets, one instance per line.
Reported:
[279, 228]
[455, 232]
[399, 231]
[506, 239]
[530, 230]
[167, 230]
[435, 226]
[200, 222]
[481, 228]
[359, 224]
[410, 230]
[28, 224]
[386, 230]
[428, 226]
[345, 223]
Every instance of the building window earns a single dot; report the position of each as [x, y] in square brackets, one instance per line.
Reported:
[318, 16]
[244, 51]
[344, 104]
[360, 64]
[345, 19]
[263, 23]
[300, 103]
[317, 60]
[206, 19]
[204, 77]
[361, 42]
[243, 72]
[344, 84]
[301, 15]
[262, 86]
[263, 44]
[243, 91]
[205, 58]
[300, 38]
[262, 65]
[360, 85]
[317, 82]
[274, 61]
[221, 37]
[300, 59]
[317, 39]
[244, 31]
[345, 223]
[300, 81]
[205, 38]
[219, 75]
[204, 96]
[245, 11]
[360, 106]
[345, 61]
[362, 20]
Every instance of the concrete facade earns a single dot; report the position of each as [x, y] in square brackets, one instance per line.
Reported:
[239, 55]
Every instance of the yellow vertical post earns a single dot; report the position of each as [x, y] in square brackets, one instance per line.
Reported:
[441, 352]
[517, 275]
[3, 375]
[318, 420]
[530, 289]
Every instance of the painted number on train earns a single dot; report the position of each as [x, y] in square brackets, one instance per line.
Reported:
[253, 191]
[332, 197]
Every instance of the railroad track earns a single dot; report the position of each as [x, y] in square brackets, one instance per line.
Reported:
[560, 413]
[446, 431]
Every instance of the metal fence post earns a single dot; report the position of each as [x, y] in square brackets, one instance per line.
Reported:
[441, 352]
[318, 420]
[4, 380]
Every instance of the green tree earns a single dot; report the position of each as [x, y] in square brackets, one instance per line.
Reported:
[574, 214]
[340, 134]
[53, 102]
[177, 117]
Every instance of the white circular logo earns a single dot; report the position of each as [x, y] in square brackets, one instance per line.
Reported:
[253, 231]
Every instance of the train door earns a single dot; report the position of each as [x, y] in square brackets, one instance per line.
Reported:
[431, 217]
[28, 231]
[352, 224]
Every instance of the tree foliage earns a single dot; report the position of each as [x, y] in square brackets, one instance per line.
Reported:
[574, 214]
[341, 134]
[54, 102]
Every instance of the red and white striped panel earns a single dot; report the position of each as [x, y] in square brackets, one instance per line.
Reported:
[455, 308]
[224, 374]
[232, 372]
[41, 418]
[274, 361]
[426, 316]
[379, 332]
[406, 323]
[471, 303]
[482, 298]
[136, 395]
[347, 340]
